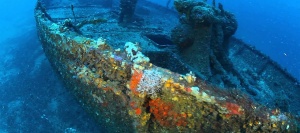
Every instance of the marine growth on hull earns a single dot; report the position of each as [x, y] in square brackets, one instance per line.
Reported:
[136, 66]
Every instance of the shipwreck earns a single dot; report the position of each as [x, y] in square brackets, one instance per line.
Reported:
[136, 66]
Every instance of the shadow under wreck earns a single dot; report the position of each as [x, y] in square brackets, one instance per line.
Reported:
[141, 67]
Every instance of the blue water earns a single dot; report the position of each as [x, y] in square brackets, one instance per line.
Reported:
[33, 99]
[272, 26]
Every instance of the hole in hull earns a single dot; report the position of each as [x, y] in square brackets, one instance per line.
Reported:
[161, 41]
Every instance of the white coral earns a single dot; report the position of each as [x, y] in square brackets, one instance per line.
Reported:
[150, 82]
[136, 56]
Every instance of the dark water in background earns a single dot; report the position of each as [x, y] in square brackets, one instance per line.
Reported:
[33, 99]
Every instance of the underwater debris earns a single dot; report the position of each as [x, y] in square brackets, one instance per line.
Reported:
[127, 10]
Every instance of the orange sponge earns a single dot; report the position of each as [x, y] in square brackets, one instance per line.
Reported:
[135, 80]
